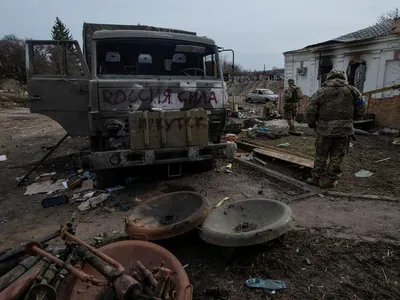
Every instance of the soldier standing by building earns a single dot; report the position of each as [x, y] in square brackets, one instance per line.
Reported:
[331, 112]
[292, 95]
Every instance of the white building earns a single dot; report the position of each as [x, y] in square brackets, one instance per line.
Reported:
[370, 57]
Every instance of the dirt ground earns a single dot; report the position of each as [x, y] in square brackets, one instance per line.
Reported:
[365, 154]
[340, 248]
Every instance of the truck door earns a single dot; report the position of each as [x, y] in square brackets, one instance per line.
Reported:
[58, 83]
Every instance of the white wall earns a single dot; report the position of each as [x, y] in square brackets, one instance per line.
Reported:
[382, 69]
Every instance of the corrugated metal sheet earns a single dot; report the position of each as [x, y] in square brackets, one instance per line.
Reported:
[90, 28]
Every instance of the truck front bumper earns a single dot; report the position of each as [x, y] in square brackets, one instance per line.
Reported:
[128, 158]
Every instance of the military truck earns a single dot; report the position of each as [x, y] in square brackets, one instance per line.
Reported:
[143, 95]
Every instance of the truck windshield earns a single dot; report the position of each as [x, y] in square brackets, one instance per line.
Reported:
[149, 57]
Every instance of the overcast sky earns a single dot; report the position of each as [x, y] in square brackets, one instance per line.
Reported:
[258, 30]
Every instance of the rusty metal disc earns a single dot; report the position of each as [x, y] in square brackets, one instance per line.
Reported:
[246, 222]
[127, 253]
[167, 216]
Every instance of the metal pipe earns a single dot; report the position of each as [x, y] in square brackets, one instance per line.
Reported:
[39, 163]
[34, 247]
[66, 235]
[20, 250]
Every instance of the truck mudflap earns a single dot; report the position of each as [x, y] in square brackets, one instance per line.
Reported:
[128, 158]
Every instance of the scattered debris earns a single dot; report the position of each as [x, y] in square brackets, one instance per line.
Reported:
[115, 188]
[230, 137]
[284, 145]
[247, 157]
[363, 174]
[308, 262]
[396, 141]
[381, 160]
[93, 202]
[54, 201]
[44, 187]
[74, 182]
[388, 131]
[100, 237]
[86, 185]
[3, 157]
[222, 201]
[272, 285]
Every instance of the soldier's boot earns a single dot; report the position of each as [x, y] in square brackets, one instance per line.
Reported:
[328, 183]
[293, 131]
[313, 181]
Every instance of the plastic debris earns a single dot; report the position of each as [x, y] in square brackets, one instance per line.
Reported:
[93, 202]
[222, 202]
[88, 175]
[115, 188]
[272, 285]
[54, 201]
[363, 174]
[3, 157]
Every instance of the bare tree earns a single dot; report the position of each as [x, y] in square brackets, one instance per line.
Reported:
[12, 59]
[388, 16]
[227, 68]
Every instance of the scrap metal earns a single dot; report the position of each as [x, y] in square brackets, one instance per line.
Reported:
[143, 284]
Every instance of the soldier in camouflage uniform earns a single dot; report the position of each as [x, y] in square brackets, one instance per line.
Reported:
[331, 112]
[293, 95]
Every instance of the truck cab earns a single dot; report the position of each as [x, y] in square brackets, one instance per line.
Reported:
[143, 97]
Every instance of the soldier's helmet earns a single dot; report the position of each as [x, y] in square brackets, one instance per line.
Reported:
[339, 74]
[290, 81]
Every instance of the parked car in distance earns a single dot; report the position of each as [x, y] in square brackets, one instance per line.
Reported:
[262, 96]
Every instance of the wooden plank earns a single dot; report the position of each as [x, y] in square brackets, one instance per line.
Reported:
[309, 163]
[279, 176]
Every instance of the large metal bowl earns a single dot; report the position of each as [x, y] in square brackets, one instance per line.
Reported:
[167, 216]
[246, 222]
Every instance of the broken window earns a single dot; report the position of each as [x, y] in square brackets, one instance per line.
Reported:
[56, 59]
[156, 57]
[356, 74]
[325, 66]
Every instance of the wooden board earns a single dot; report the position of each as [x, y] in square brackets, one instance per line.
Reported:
[168, 129]
[309, 163]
